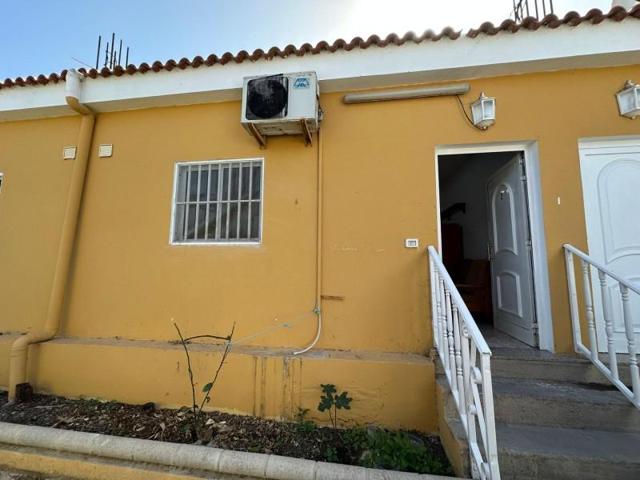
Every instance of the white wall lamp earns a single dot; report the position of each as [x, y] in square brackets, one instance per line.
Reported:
[629, 100]
[483, 111]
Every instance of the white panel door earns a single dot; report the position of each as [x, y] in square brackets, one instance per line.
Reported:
[511, 267]
[611, 189]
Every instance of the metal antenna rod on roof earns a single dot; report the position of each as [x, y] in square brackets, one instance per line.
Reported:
[112, 58]
[526, 8]
[106, 55]
[113, 47]
[98, 54]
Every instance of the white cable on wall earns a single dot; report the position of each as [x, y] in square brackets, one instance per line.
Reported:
[318, 308]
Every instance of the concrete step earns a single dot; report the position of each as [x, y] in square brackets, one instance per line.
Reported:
[528, 452]
[544, 403]
[556, 415]
[539, 402]
[530, 363]
[541, 365]
[552, 430]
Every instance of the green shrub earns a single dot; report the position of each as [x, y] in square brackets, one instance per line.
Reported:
[331, 455]
[372, 447]
[303, 425]
[397, 451]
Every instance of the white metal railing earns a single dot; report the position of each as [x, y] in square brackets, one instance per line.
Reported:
[625, 289]
[465, 357]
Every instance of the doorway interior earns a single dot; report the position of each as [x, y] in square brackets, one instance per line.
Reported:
[487, 243]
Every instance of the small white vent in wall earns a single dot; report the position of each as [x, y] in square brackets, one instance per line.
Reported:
[411, 243]
[69, 153]
[105, 150]
[1, 179]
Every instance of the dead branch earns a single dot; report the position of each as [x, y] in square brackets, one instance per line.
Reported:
[227, 348]
[197, 410]
[227, 338]
[188, 340]
[193, 386]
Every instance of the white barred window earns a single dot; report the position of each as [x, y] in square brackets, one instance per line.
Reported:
[218, 202]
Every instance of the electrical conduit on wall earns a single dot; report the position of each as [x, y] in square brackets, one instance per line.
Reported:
[318, 308]
[19, 349]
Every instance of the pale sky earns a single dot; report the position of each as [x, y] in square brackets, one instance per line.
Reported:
[43, 36]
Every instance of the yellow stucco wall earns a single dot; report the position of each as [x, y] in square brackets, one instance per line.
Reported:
[265, 382]
[32, 204]
[379, 175]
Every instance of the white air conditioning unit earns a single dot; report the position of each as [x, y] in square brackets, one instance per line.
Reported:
[284, 104]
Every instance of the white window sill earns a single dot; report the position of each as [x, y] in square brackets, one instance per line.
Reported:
[216, 244]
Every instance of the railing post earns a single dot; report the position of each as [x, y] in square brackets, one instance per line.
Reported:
[472, 411]
[608, 321]
[434, 306]
[451, 343]
[458, 354]
[609, 310]
[573, 300]
[491, 444]
[439, 306]
[436, 300]
[444, 353]
[588, 306]
[465, 355]
[464, 345]
[631, 343]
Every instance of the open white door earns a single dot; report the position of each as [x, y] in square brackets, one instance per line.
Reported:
[611, 189]
[510, 247]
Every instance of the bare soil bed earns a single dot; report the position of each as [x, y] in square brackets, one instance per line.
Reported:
[374, 447]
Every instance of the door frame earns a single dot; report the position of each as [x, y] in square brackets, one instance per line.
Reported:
[588, 143]
[536, 224]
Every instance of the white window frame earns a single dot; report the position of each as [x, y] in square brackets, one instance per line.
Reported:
[216, 243]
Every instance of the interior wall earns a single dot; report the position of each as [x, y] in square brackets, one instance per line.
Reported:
[463, 178]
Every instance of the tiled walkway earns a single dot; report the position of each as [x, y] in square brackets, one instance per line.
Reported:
[497, 339]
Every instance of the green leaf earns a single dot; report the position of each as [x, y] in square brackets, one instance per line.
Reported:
[325, 403]
[343, 401]
[207, 388]
[328, 389]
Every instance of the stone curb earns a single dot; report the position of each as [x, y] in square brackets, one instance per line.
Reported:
[192, 457]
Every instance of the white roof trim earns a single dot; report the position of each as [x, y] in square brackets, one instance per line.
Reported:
[584, 46]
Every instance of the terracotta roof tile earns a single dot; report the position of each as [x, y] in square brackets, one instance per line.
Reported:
[593, 16]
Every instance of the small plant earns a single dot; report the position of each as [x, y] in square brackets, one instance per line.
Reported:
[356, 439]
[398, 451]
[304, 425]
[196, 426]
[302, 414]
[332, 400]
[331, 455]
